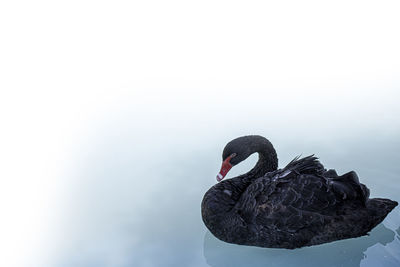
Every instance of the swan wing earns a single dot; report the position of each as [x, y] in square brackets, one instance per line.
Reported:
[299, 196]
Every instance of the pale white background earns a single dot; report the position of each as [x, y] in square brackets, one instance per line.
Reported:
[69, 69]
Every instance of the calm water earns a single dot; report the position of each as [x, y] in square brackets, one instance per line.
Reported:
[136, 185]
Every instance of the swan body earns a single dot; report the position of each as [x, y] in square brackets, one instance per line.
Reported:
[302, 204]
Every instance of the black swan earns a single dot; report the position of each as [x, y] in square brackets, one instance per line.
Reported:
[300, 205]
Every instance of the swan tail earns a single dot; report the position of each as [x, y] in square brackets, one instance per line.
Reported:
[379, 208]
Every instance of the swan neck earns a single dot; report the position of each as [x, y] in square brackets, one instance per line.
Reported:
[267, 161]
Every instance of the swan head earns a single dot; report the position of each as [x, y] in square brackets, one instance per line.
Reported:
[236, 151]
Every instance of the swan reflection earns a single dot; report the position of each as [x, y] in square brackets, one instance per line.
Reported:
[347, 253]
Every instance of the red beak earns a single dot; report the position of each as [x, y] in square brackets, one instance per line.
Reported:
[226, 166]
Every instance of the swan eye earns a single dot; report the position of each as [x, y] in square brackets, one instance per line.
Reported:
[233, 155]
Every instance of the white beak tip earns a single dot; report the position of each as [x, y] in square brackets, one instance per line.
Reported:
[219, 177]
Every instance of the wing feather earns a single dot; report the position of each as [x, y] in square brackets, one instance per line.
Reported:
[302, 197]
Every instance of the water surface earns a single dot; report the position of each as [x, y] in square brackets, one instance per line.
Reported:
[137, 183]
